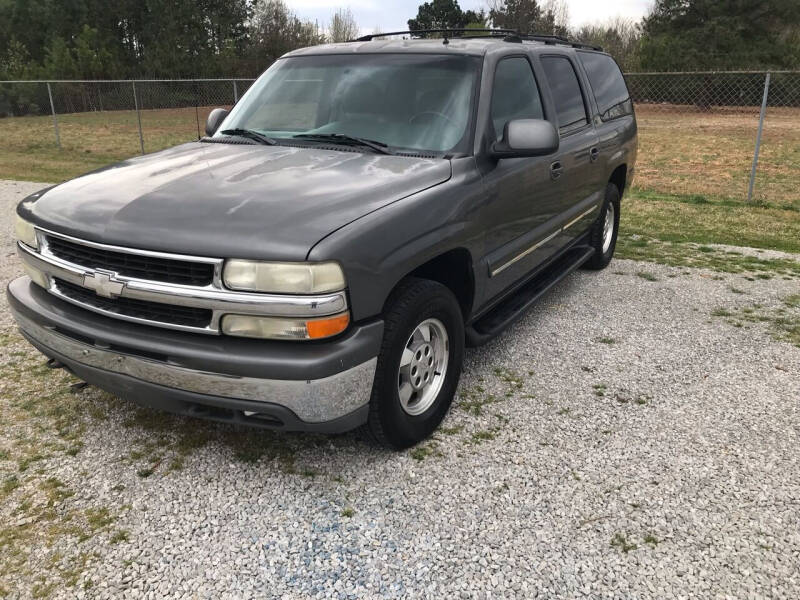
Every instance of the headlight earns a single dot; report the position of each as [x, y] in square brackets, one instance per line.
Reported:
[284, 329]
[24, 232]
[283, 278]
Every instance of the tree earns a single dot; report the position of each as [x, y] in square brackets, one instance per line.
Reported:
[58, 61]
[619, 37]
[721, 34]
[476, 19]
[554, 19]
[15, 61]
[276, 30]
[521, 15]
[439, 14]
[92, 59]
[343, 26]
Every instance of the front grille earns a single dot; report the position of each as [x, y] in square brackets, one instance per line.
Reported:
[141, 309]
[154, 268]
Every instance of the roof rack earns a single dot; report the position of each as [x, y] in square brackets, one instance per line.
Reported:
[507, 35]
[556, 39]
[421, 32]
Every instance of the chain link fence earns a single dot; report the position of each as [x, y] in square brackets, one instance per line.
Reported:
[113, 119]
[727, 135]
[698, 132]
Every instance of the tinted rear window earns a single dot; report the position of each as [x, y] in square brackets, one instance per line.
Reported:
[606, 80]
[566, 92]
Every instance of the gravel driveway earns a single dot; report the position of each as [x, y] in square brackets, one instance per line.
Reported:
[636, 435]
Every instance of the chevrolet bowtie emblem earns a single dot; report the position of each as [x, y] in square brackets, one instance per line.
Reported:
[104, 284]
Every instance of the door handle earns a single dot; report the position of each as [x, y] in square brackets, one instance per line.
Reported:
[556, 169]
[594, 154]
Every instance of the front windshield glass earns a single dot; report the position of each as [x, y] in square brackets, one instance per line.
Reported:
[419, 102]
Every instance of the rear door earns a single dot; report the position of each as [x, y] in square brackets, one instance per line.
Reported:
[576, 166]
[614, 106]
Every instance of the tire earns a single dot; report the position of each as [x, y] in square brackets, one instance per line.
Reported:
[603, 246]
[415, 306]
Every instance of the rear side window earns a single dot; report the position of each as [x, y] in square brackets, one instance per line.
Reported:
[608, 85]
[566, 91]
[515, 94]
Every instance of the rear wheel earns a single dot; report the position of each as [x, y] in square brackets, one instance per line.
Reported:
[603, 235]
[419, 364]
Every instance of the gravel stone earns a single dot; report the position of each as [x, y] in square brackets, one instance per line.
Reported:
[682, 479]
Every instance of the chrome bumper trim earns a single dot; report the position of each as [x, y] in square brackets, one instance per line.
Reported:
[219, 301]
[313, 401]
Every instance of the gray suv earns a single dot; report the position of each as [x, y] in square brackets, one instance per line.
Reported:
[320, 260]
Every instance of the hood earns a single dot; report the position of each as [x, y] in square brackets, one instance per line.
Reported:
[230, 200]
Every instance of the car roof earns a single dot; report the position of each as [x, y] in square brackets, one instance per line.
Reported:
[471, 46]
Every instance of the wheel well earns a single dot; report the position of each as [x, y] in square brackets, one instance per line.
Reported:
[618, 178]
[452, 269]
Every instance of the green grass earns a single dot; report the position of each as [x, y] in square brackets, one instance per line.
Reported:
[620, 542]
[680, 218]
[709, 153]
[420, 453]
[677, 254]
[485, 435]
[89, 141]
[783, 320]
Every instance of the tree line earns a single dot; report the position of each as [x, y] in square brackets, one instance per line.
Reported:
[96, 39]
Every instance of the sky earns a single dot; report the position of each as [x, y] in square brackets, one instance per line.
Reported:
[391, 15]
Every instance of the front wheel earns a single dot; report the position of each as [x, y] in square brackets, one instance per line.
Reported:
[419, 364]
[603, 235]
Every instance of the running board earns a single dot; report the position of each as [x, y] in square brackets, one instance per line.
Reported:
[512, 308]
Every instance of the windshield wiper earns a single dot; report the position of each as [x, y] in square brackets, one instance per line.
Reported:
[349, 140]
[250, 134]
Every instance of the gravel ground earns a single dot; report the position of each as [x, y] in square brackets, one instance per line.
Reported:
[620, 441]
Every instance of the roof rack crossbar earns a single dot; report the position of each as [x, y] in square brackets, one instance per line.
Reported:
[420, 32]
[557, 39]
[508, 35]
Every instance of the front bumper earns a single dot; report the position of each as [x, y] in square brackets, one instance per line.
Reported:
[317, 386]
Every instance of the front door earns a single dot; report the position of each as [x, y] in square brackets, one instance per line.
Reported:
[523, 200]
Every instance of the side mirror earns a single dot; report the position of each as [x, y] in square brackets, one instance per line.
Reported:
[215, 117]
[526, 137]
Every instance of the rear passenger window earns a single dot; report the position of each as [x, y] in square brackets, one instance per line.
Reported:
[608, 85]
[515, 94]
[566, 91]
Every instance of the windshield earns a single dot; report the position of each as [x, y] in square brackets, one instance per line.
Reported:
[419, 102]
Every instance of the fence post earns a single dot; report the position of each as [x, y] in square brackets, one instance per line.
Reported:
[758, 138]
[196, 103]
[138, 116]
[55, 119]
[235, 92]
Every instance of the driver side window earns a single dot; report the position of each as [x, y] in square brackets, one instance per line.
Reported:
[515, 94]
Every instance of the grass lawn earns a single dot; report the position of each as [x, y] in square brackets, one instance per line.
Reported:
[691, 175]
[710, 154]
[677, 218]
[89, 140]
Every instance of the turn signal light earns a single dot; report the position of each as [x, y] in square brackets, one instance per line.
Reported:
[277, 328]
[322, 328]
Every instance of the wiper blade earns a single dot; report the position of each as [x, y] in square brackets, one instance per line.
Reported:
[250, 134]
[341, 138]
